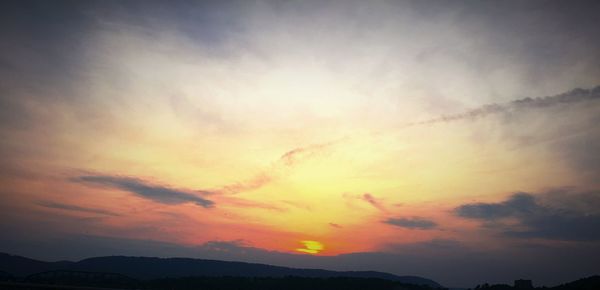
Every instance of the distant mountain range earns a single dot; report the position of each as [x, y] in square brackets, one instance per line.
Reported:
[145, 268]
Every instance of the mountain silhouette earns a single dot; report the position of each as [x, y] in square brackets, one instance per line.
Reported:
[146, 268]
[21, 266]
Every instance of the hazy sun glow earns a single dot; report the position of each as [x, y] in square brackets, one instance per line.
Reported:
[311, 247]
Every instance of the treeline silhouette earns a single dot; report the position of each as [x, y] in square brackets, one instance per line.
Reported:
[589, 283]
[290, 283]
[76, 279]
[148, 268]
[145, 273]
[97, 280]
[85, 280]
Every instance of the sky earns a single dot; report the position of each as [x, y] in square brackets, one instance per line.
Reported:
[454, 140]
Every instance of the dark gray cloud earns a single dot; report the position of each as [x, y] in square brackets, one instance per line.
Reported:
[538, 217]
[70, 207]
[425, 248]
[411, 223]
[586, 202]
[157, 193]
[232, 247]
[516, 204]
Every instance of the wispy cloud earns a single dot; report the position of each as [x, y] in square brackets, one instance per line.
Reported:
[235, 246]
[70, 207]
[418, 223]
[244, 203]
[334, 225]
[295, 155]
[373, 201]
[287, 161]
[167, 195]
[157, 193]
[574, 96]
[256, 182]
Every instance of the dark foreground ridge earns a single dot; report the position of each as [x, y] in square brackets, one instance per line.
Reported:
[589, 283]
[179, 273]
[185, 271]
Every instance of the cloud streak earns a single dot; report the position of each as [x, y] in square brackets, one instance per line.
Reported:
[286, 161]
[571, 97]
[334, 225]
[295, 155]
[373, 201]
[417, 223]
[70, 207]
[258, 181]
[156, 193]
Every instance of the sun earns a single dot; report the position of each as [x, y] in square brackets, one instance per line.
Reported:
[311, 247]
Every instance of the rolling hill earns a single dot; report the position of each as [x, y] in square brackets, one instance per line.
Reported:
[146, 268]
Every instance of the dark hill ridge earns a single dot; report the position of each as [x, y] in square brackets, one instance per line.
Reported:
[589, 283]
[21, 266]
[153, 268]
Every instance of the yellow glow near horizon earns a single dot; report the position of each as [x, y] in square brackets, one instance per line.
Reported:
[311, 247]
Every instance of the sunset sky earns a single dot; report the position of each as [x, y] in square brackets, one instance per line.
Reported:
[454, 140]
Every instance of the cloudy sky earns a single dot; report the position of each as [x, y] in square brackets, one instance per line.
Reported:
[455, 140]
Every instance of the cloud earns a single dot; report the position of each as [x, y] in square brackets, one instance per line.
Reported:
[574, 96]
[160, 194]
[244, 203]
[235, 246]
[70, 207]
[293, 156]
[517, 203]
[586, 202]
[334, 225]
[256, 182]
[411, 223]
[287, 161]
[539, 216]
[435, 246]
[172, 196]
[373, 201]
[366, 197]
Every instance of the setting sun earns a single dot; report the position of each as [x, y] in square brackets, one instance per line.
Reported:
[311, 247]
